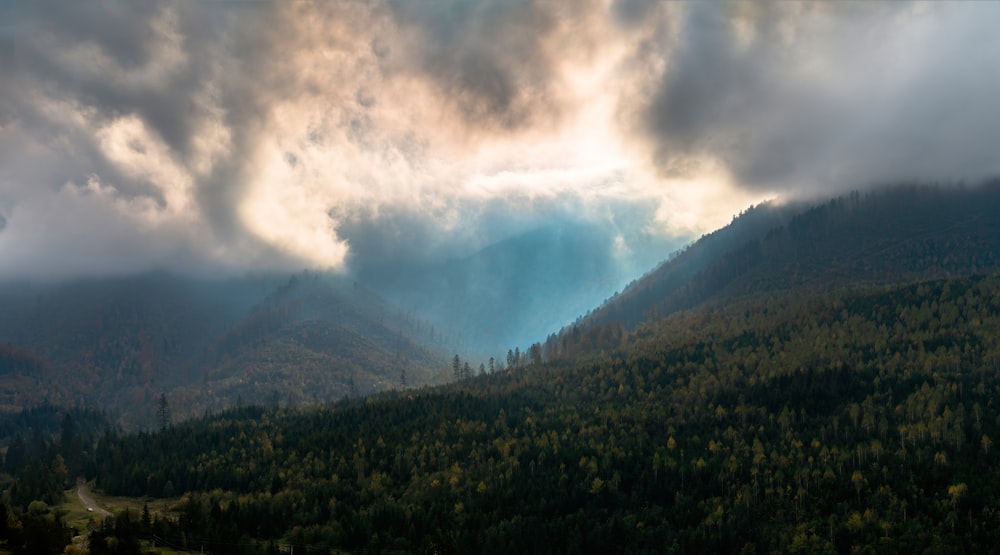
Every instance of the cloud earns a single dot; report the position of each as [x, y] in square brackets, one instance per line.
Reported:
[490, 60]
[828, 96]
[227, 137]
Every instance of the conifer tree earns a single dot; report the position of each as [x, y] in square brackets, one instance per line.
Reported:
[163, 412]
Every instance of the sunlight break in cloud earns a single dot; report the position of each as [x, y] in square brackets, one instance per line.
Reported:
[213, 138]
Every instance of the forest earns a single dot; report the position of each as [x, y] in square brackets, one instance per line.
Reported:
[884, 236]
[851, 421]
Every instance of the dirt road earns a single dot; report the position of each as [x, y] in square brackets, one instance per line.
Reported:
[84, 494]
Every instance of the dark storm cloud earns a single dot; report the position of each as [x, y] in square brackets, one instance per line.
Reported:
[791, 96]
[78, 73]
[122, 39]
[631, 13]
[490, 58]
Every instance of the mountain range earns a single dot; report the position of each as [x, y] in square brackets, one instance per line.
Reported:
[813, 378]
[120, 343]
[515, 291]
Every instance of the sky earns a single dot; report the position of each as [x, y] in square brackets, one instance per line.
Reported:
[219, 138]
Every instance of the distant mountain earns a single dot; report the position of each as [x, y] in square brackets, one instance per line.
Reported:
[20, 371]
[512, 292]
[119, 343]
[313, 339]
[898, 234]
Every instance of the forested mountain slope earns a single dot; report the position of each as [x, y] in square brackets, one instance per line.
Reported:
[886, 236]
[316, 338]
[119, 343]
[861, 419]
[115, 342]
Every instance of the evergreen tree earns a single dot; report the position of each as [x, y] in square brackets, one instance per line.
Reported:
[163, 412]
[535, 354]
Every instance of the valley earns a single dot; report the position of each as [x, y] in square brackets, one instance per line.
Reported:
[831, 402]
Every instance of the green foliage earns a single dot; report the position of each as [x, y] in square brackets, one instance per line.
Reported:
[787, 424]
[38, 530]
[117, 536]
[57, 449]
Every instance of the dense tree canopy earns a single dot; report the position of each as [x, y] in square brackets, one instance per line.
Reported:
[859, 419]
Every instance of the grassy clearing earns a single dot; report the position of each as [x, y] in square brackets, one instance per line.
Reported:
[162, 550]
[79, 518]
[83, 521]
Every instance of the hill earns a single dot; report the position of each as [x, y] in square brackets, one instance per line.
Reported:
[830, 422]
[119, 343]
[314, 339]
[893, 235]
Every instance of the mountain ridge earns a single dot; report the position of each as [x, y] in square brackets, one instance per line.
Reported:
[903, 233]
[312, 337]
[120, 343]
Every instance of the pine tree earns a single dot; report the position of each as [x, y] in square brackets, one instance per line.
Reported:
[535, 354]
[163, 412]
